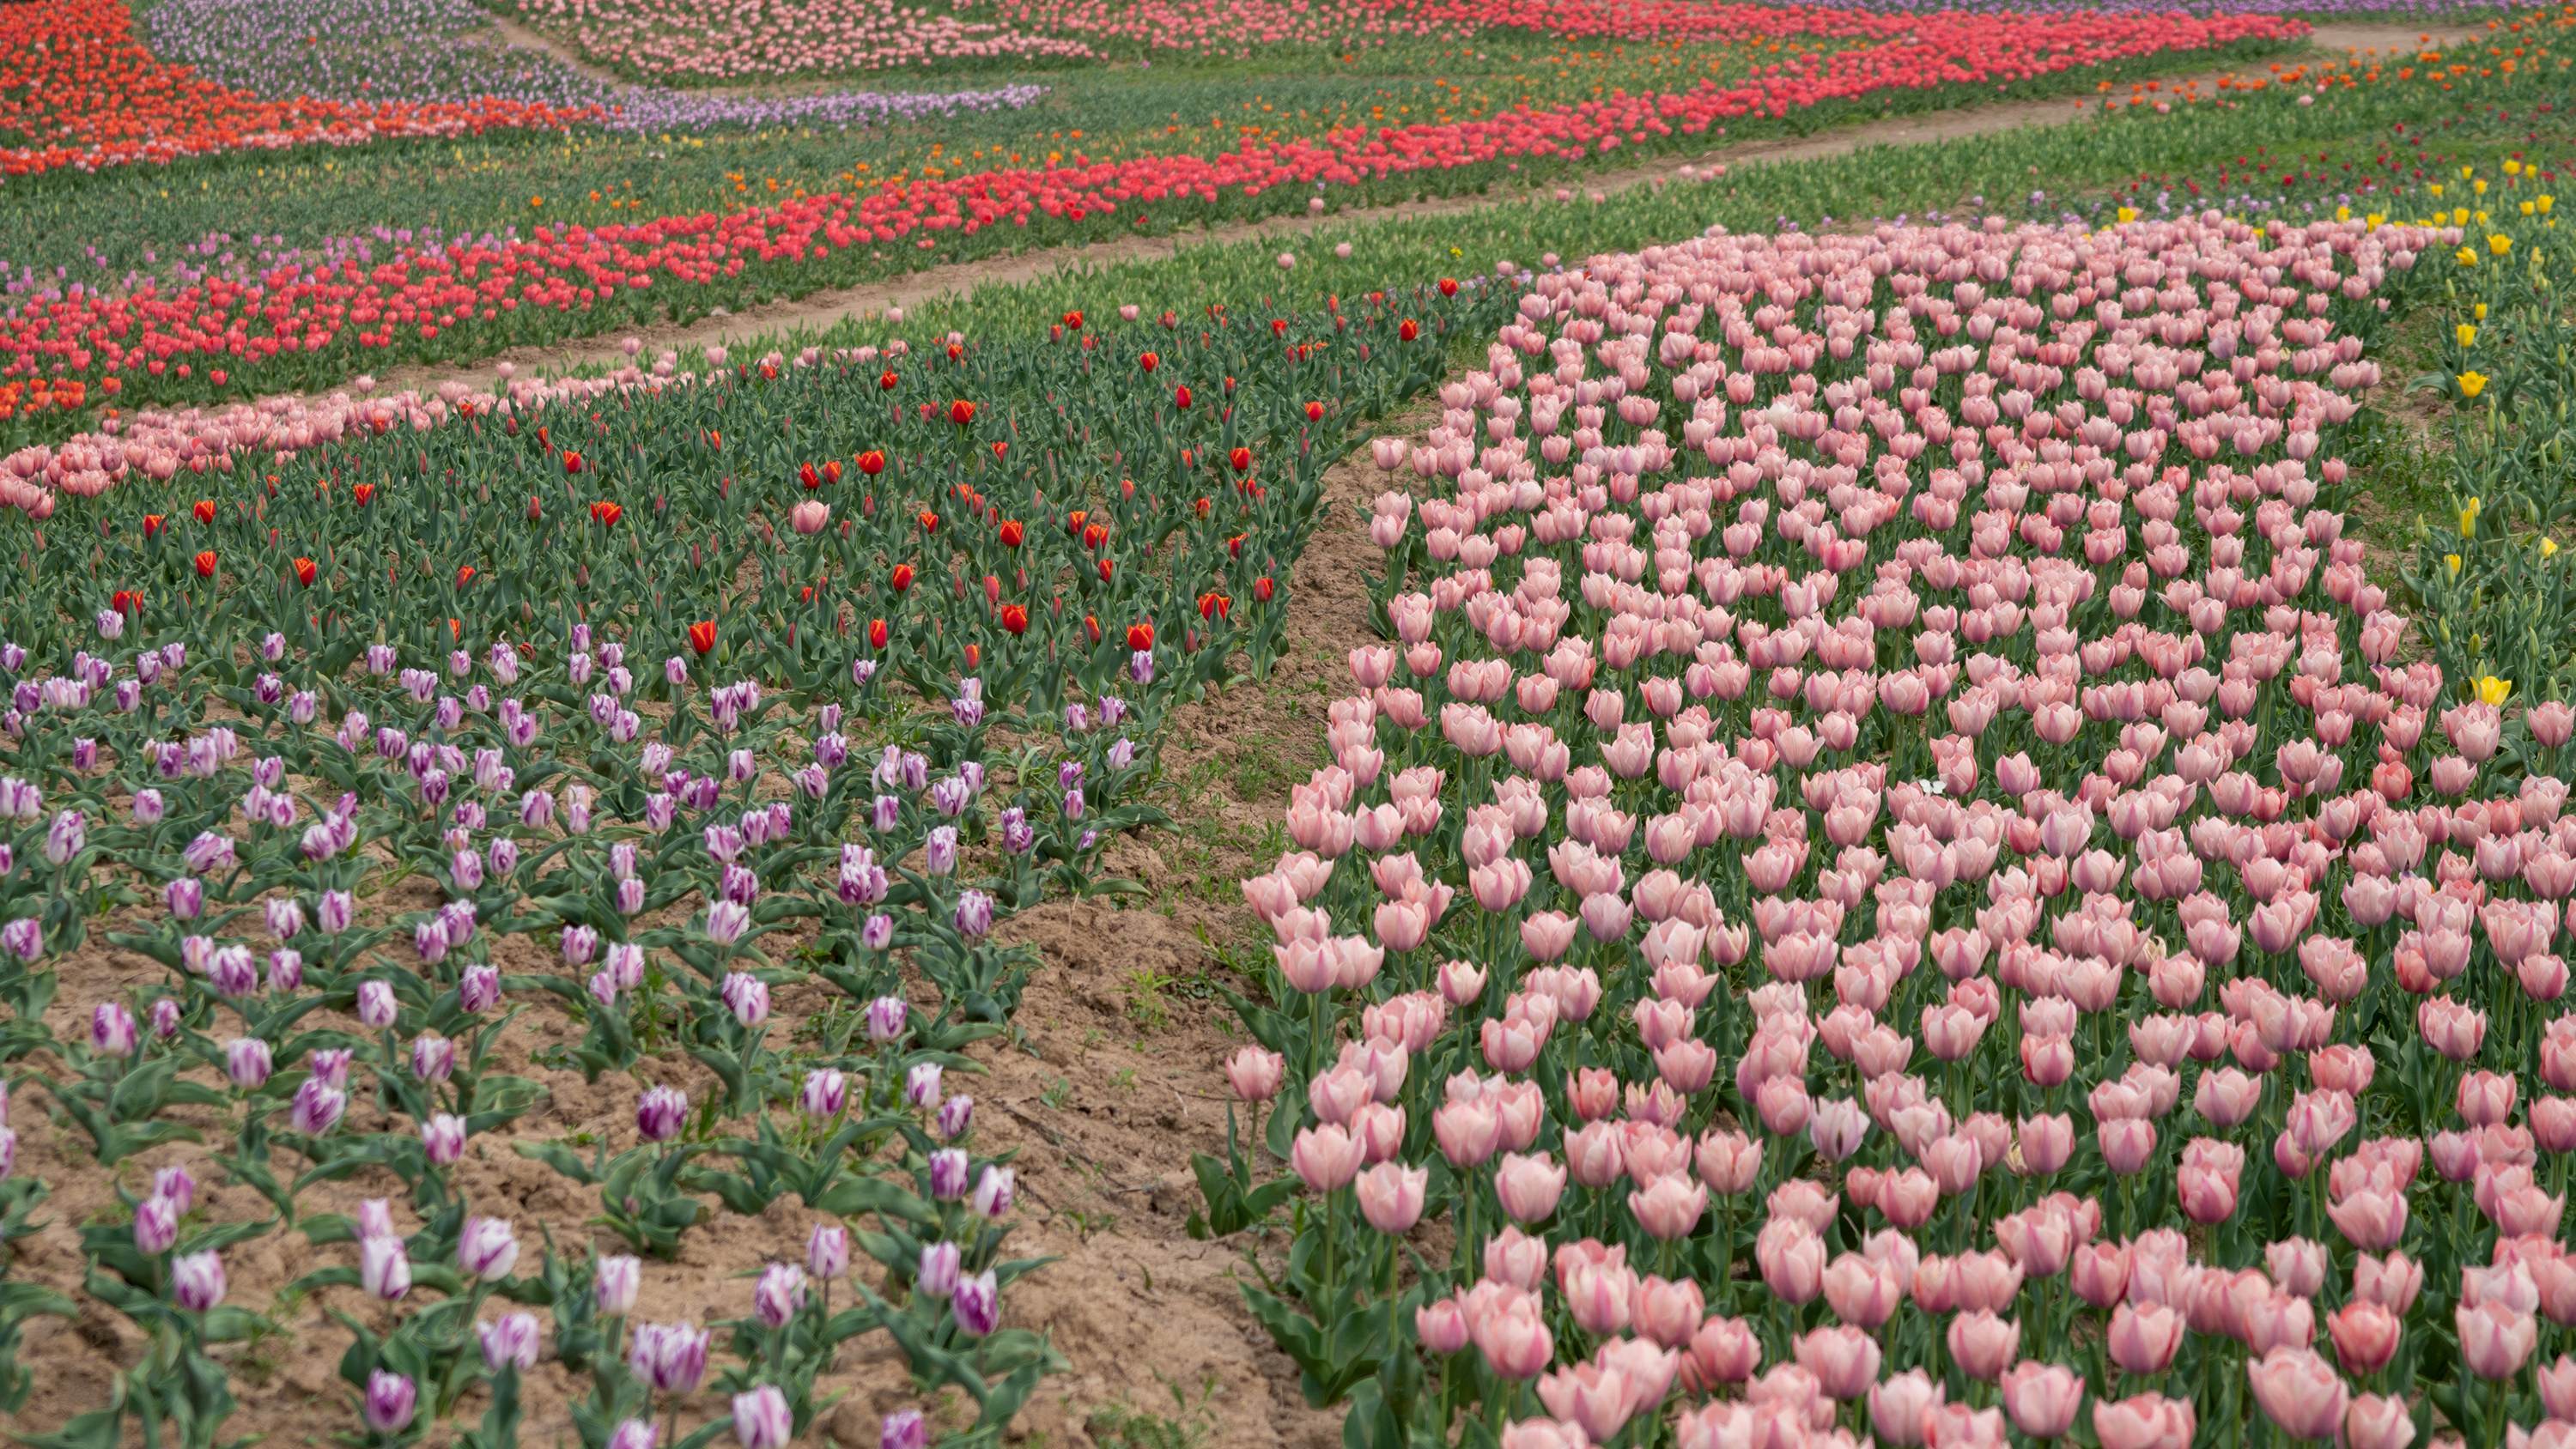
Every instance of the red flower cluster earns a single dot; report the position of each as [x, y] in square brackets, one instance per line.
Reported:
[81, 91]
[420, 294]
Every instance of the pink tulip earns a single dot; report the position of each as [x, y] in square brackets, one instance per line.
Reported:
[2297, 1266]
[1441, 1326]
[2486, 1098]
[1326, 1158]
[2039, 1241]
[1957, 1426]
[2206, 1180]
[2369, 1219]
[2268, 1319]
[2365, 1336]
[2494, 1339]
[1255, 1074]
[1598, 1295]
[2045, 1143]
[1670, 1206]
[1468, 1132]
[2227, 1097]
[2144, 1337]
[2299, 1391]
[1516, 1258]
[1391, 1196]
[1541, 1433]
[1791, 1258]
[1513, 1337]
[2100, 1273]
[1594, 1399]
[2147, 1421]
[1863, 1291]
[2392, 1281]
[1723, 1351]
[1982, 1345]
[1528, 1186]
[1664, 1312]
[2558, 1388]
[1844, 1360]
[1898, 1407]
[2373, 1422]
[2042, 1398]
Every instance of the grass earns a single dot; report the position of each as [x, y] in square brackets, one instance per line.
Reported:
[1190, 1424]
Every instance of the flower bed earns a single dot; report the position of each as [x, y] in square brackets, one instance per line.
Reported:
[1904, 720]
[77, 91]
[615, 707]
[443, 51]
[310, 327]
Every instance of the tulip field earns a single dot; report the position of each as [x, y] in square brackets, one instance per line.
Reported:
[1770, 893]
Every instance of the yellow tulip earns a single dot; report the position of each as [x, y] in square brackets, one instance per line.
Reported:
[2127, 214]
[2548, 546]
[2544, 203]
[2467, 334]
[2434, 187]
[2499, 243]
[2375, 220]
[2480, 187]
[2526, 208]
[2492, 691]
[2512, 167]
[2343, 213]
[2460, 217]
[2471, 384]
[2454, 561]
[2481, 312]
[2467, 257]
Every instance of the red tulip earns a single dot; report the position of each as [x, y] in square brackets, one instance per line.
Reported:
[702, 635]
[206, 560]
[305, 572]
[961, 412]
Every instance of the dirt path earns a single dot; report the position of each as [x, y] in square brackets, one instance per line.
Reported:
[770, 324]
